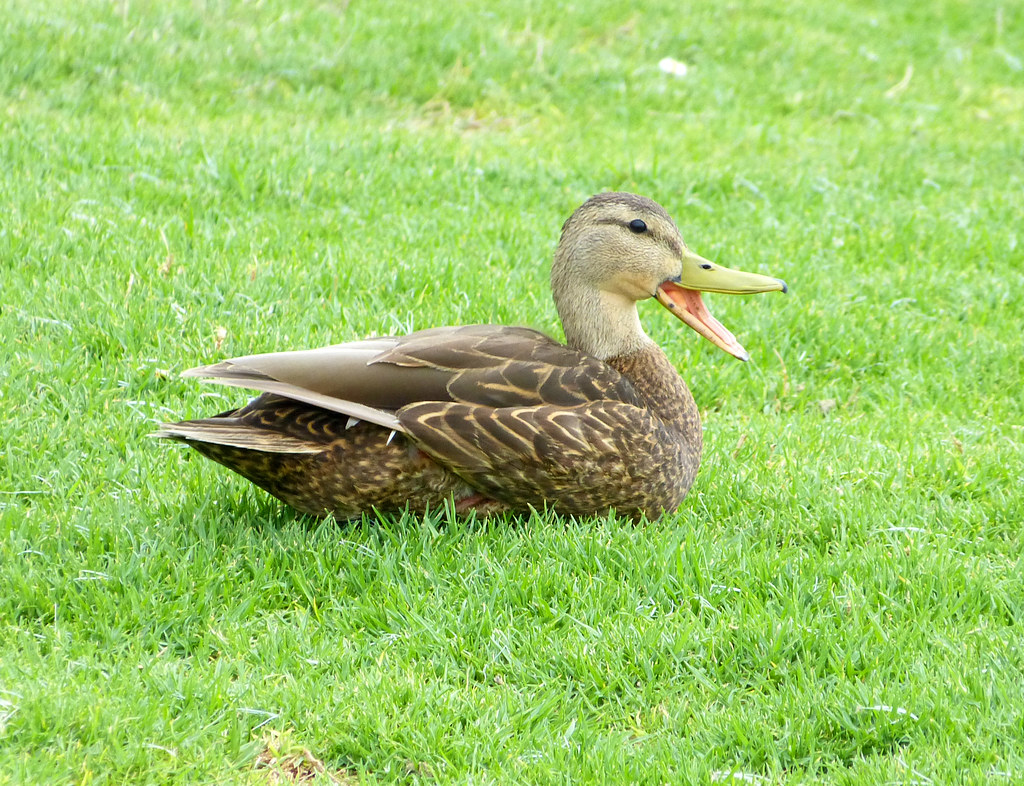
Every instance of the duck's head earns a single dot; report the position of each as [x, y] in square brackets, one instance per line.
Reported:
[618, 249]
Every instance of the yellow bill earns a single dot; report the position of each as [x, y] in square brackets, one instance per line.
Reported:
[682, 297]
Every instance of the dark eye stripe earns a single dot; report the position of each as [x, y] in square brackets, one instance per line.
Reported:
[637, 226]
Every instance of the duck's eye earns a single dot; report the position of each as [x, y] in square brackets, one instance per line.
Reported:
[637, 226]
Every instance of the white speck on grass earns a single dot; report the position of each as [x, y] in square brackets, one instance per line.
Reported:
[215, 396]
[717, 776]
[888, 709]
[724, 588]
[673, 67]
[902, 301]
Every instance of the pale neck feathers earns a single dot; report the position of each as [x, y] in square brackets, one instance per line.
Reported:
[600, 323]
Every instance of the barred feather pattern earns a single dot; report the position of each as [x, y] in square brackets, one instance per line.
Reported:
[637, 456]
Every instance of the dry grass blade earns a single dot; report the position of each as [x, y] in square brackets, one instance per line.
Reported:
[283, 762]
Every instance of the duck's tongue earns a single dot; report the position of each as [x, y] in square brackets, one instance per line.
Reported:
[688, 305]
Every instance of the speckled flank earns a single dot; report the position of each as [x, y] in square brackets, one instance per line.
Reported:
[355, 470]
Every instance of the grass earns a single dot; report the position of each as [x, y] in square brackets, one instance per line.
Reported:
[838, 600]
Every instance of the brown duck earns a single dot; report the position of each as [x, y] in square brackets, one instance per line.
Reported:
[496, 418]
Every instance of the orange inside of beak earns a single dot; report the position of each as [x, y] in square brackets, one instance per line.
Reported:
[688, 305]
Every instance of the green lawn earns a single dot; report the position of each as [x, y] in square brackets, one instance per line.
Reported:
[840, 598]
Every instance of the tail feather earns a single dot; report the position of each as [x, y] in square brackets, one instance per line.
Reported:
[217, 431]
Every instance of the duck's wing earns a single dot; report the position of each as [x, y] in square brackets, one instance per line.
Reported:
[484, 365]
[532, 421]
[497, 366]
[337, 378]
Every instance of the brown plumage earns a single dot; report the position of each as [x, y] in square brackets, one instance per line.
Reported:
[496, 418]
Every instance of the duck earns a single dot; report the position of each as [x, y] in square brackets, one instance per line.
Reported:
[489, 418]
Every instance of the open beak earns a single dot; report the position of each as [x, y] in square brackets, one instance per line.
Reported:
[682, 297]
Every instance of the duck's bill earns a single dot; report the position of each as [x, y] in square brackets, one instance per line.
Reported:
[682, 297]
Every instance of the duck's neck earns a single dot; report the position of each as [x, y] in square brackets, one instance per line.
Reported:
[663, 391]
[607, 326]
[602, 324]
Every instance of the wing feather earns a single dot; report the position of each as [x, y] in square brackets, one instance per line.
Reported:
[489, 365]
